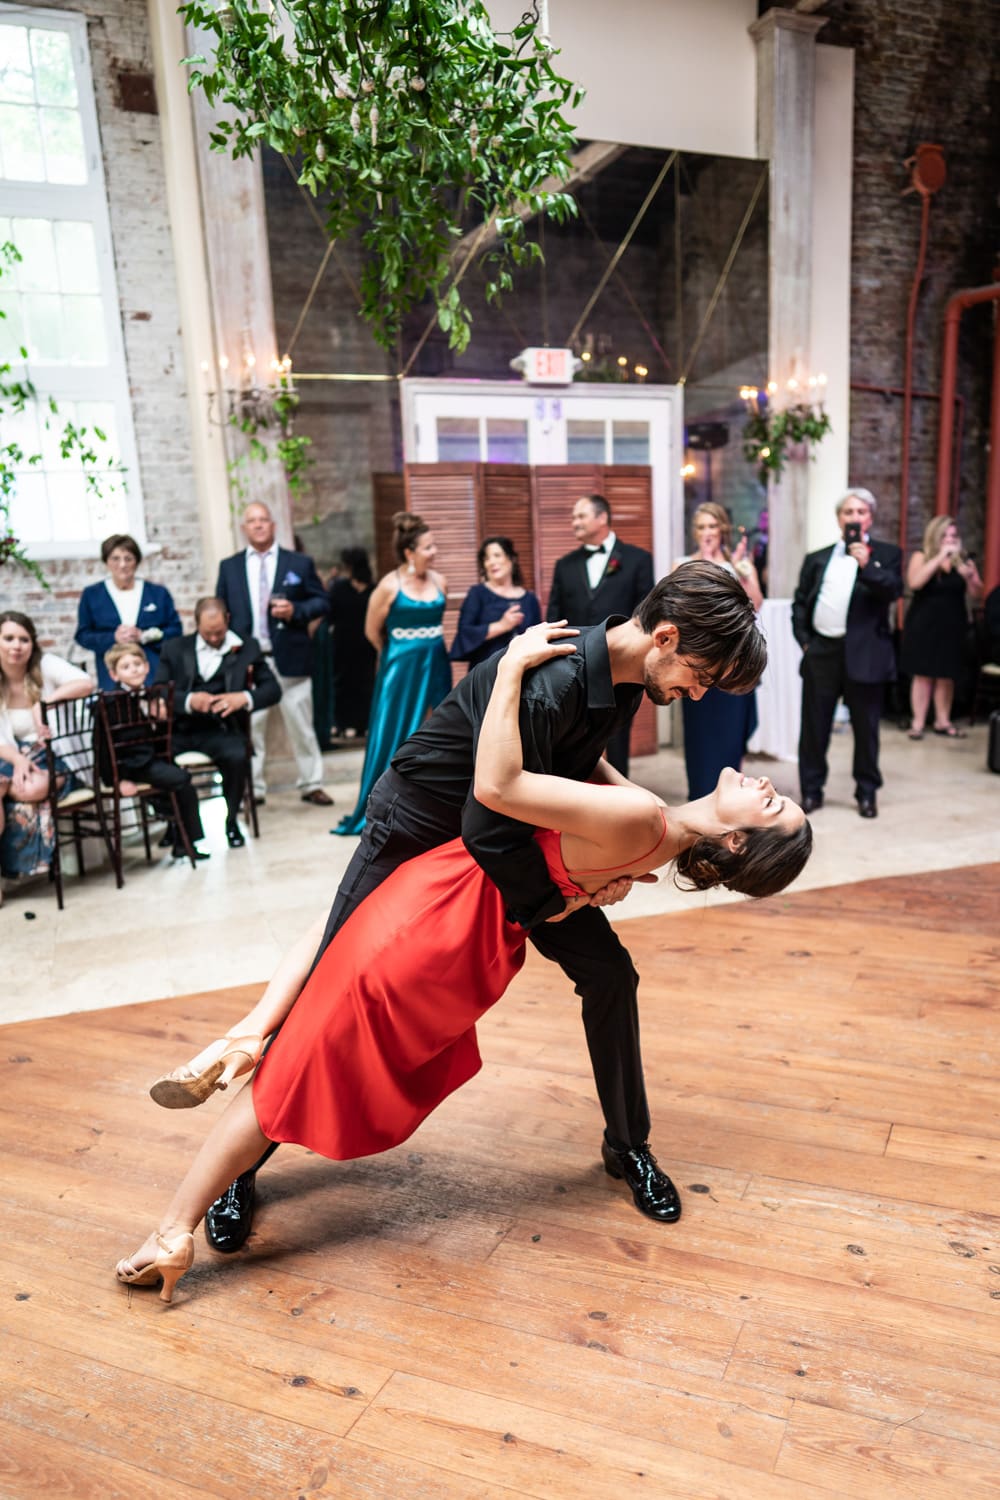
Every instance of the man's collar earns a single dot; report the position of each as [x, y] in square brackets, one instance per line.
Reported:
[255, 551]
[232, 642]
[594, 644]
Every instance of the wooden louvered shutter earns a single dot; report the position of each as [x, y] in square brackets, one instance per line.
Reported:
[389, 495]
[506, 511]
[447, 497]
[628, 489]
[557, 489]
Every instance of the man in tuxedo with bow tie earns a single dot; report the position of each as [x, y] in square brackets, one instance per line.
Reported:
[602, 577]
[211, 674]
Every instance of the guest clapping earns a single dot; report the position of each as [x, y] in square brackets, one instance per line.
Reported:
[124, 609]
[496, 609]
[942, 579]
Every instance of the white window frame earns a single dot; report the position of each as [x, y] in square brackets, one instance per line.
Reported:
[27, 200]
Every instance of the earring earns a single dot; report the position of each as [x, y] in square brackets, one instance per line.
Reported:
[410, 568]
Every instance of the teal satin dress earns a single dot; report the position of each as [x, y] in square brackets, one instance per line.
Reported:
[414, 674]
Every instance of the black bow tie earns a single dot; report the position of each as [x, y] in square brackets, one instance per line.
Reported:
[601, 548]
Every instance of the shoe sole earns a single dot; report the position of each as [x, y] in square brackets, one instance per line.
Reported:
[186, 1093]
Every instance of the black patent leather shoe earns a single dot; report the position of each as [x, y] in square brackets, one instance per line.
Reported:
[654, 1193]
[867, 808]
[230, 1218]
[170, 837]
[812, 802]
[234, 838]
[179, 852]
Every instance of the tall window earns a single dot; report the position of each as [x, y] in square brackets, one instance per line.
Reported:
[60, 300]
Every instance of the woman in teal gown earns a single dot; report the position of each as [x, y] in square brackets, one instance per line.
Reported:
[403, 623]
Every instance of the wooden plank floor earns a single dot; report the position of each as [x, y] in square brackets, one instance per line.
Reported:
[482, 1313]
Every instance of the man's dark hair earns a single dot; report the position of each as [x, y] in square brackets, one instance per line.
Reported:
[600, 505]
[716, 624]
[207, 603]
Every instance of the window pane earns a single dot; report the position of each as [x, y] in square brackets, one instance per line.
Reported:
[21, 143]
[76, 254]
[15, 66]
[55, 81]
[108, 511]
[458, 439]
[630, 442]
[506, 441]
[68, 504]
[29, 508]
[584, 442]
[50, 432]
[85, 343]
[11, 329]
[100, 414]
[22, 428]
[38, 269]
[64, 156]
[43, 316]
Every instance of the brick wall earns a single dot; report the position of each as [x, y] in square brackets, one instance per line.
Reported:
[133, 166]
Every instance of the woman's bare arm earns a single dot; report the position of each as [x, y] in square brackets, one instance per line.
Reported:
[379, 606]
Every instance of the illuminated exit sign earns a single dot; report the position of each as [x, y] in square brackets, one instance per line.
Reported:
[546, 366]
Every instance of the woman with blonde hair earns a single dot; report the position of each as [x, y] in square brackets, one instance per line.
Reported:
[403, 623]
[718, 727]
[941, 579]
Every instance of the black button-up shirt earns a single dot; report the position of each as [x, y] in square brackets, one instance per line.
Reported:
[570, 708]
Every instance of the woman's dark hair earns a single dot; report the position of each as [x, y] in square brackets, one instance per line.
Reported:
[716, 624]
[355, 560]
[506, 545]
[121, 539]
[406, 529]
[33, 672]
[768, 862]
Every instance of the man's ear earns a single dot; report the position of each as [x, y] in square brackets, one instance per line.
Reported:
[736, 841]
[666, 635]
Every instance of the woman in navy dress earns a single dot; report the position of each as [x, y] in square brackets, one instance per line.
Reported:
[124, 609]
[496, 609]
[718, 727]
[403, 623]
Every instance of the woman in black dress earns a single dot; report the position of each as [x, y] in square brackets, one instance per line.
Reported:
[936, 624]
[496, 609]
[353, 656]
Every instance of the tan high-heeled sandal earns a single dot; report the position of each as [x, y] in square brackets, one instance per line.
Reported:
[176, 1259]
[186, 1087]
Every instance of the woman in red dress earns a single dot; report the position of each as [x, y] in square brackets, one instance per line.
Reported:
[383, 1029]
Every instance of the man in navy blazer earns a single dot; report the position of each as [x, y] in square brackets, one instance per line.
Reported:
[840, 616]
[603, 577]
[273, 595]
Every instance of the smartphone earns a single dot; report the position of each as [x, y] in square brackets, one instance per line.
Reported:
[852, 533]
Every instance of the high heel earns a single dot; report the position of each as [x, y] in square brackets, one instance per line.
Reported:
[176, 1259]
[189, 1086]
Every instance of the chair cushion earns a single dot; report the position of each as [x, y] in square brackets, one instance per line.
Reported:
[76, 798]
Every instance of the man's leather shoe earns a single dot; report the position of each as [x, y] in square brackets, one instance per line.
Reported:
[179, 852]
[318, 798]
[170, 837]
[234, 838]
[812, 802]
[654, 1193]
[230, 1218]
[867, 808]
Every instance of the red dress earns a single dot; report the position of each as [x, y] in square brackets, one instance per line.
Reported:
[385, 1028]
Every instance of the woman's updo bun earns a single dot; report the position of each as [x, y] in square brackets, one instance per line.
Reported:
[767, 862]
[406, 529]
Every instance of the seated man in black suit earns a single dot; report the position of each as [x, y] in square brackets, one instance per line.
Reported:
[213, 689]
[840, 616]
[602, 577]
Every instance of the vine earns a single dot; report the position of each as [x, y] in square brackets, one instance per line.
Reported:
[768, 434]
[290, 449]
[408, 117]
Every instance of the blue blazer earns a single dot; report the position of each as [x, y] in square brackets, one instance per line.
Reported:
[98, 619]
[295, 577]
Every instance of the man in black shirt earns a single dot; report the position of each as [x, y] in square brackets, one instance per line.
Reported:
[694, 630]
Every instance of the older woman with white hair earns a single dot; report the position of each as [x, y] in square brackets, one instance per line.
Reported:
[840, 616]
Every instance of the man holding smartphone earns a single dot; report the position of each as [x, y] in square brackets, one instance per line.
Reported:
[840, 616]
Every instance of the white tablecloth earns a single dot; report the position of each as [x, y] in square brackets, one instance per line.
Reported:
[779, 696]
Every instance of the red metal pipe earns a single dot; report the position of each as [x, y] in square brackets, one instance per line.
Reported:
[898, 390]
[991, 540]
[957, 304]
[911, 319]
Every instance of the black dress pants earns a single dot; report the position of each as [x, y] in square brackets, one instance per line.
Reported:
[227, 747]
[166, 777]
[824, 682]
[403, 820]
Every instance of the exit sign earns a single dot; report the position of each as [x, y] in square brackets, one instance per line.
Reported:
[546, 366]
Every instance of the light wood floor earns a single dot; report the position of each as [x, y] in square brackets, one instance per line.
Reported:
[482, 1312]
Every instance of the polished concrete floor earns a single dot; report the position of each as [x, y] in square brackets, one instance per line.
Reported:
[175, 930]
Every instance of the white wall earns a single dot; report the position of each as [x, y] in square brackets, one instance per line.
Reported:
[661, 73]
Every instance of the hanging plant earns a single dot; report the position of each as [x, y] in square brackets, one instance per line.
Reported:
[290, 449]
[768, 435]
[412, 119]
[16, 394]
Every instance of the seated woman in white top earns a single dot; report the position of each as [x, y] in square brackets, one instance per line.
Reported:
[27, 676]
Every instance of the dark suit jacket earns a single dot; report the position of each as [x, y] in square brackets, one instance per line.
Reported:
[868, 649]
[98, 619]
[179, 665]
[295, 577]
[627, 579]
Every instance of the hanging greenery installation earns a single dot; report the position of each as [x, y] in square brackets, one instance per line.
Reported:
[411, 120]
[769, 432]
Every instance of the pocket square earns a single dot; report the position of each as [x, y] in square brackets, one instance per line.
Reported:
[148, 607]
[291, 578]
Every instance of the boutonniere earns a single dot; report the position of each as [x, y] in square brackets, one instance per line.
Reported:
[290, 578]
[614, 565]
